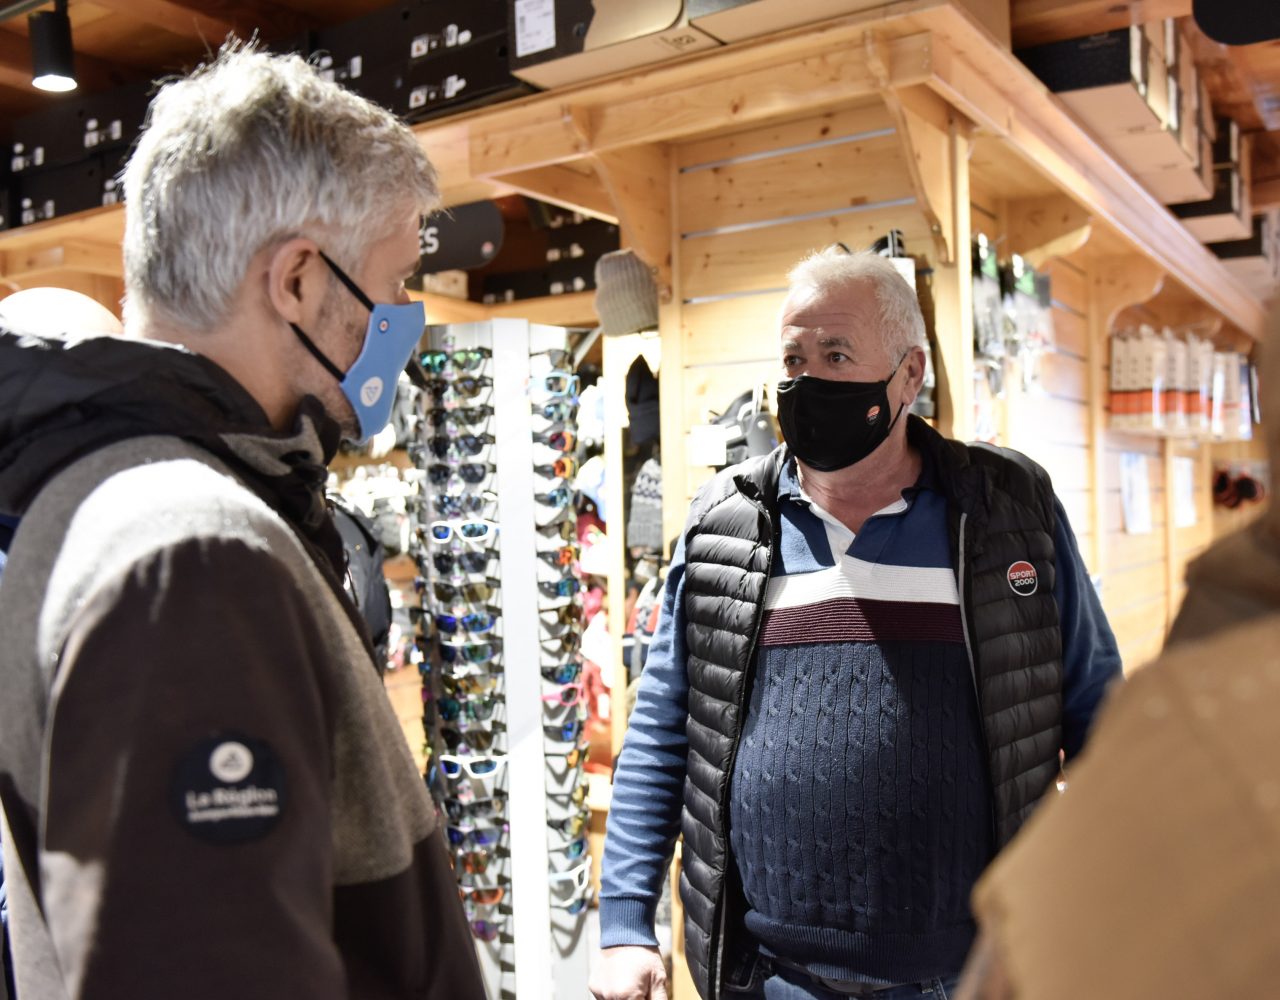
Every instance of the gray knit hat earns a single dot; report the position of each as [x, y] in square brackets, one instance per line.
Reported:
[626, 296]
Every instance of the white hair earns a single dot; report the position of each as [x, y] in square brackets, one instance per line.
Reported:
[835, 269]
[249, 151]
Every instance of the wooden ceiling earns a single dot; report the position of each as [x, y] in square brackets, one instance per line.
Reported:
[118, 41]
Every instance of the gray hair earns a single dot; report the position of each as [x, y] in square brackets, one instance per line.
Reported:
[835, 270]
[249, 151]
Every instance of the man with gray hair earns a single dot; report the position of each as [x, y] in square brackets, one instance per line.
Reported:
[874, 644]
[204, 790]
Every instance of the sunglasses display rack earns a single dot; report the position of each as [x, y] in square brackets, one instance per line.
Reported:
[495, 543]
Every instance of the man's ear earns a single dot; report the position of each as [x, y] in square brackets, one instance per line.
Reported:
[915, 374]
[296, 280]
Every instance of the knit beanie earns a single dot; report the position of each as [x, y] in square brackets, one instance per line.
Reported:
[644, 520]
[626, 297]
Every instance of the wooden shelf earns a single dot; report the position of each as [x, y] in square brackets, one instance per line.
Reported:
[564, 144]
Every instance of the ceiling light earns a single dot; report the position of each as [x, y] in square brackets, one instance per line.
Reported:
[52, 59]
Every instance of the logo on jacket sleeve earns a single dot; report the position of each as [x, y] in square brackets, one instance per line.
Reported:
[229, 789]
[1022, 578]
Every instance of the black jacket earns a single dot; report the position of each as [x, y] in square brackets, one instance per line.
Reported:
[1001, 513]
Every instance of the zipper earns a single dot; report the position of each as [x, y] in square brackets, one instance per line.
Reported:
[973, 672]
[717, 953]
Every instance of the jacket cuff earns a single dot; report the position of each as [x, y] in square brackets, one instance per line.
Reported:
[627, 920]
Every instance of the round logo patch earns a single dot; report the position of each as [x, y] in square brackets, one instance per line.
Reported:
[873, 413]
[228, 790]
[371, 391]
[1022, 578]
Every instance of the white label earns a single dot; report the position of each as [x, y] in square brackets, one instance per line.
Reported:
[708, 444]
[535, 26]
[419, 47]
[417, 97]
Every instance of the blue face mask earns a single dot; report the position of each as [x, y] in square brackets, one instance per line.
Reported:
[389, 342]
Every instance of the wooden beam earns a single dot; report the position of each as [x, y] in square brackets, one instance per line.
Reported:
[563, 186]
[1033, 22]
[686, 101]
[91, 73]
[921, 119]
[212, 20]
[571, 309]
[27, 264]
[1002, 97]
[952, 285]
[1043, 228]
[639, 185]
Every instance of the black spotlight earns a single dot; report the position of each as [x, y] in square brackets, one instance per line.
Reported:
[52, 59]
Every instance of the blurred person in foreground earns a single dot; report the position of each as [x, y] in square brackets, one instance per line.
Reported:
[1157, 873]
[205, 792]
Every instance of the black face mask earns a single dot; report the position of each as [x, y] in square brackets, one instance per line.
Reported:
[831, 425]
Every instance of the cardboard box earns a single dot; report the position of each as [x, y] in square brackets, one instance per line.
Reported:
[1255, 260]
[1162, 92]
[734, 20]
[59, 191]
[75, 127]
[459, 77]
[1189, 114]
[411, 29]
[559, 42]
[1188, 181]
[1208, 123]
[1223, 216]
[1103, 78]
[6, 210]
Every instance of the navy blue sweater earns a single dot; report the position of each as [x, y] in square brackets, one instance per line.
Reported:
[877, 857]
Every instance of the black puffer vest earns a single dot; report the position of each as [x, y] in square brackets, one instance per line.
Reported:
[1001, 514]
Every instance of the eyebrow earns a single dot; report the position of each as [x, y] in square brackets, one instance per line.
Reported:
[792, 345]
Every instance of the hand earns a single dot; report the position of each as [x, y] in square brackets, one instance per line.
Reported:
[629, 972]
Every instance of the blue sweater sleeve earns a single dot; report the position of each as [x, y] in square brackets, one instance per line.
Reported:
[648, 780]
[1090, 658]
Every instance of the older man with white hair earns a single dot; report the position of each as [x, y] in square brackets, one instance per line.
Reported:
[204, 790]
[874, 645]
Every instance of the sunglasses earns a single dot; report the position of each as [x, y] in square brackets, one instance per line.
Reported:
[572, 850]
[570, 694]
[475, 767]
[574, 882]
[564, 673]
[568, 642]
[564, 732]
[477, 708]
[470, 739]
[470, 530]
[468, 652]
[563, 556]
[563, 525]
[561, 468]
[571, 826]
[558, 356]
[468, 387]
[486, 930]
[480, 836]
[439, 416]
[569, 614]
[469, 472]
[469, 685]
[561, 440]
[572, 759]
[564, 587]
[473, 862]
[462, 444]
[482, 895]
[554, 383]
[448, 505]
[466, 562]
[476, 808]
[475, 592]
[468, 360]
[577, 796]
[557, 413]
[561, 496]
[474, 622]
